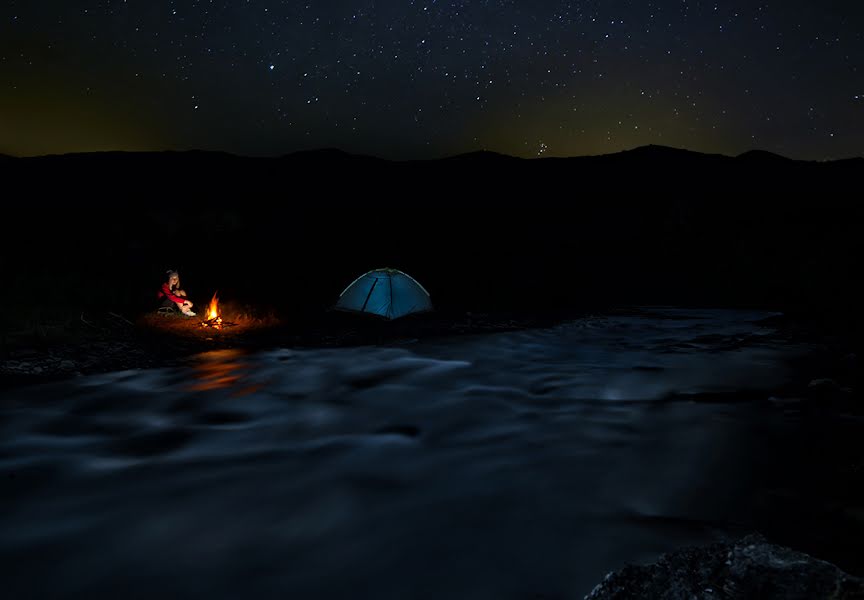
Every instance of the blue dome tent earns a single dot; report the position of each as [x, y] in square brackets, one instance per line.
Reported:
[386, 293]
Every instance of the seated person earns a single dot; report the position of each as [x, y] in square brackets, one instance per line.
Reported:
[172, 295]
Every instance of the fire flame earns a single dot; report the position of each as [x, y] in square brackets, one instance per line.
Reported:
[214, 319]
[213, 309]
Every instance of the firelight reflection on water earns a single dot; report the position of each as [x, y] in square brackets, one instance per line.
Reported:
[218, 369]
[222, 369]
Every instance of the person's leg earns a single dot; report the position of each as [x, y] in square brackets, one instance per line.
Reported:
[186, 308]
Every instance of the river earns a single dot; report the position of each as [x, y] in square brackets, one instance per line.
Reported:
[519, 465]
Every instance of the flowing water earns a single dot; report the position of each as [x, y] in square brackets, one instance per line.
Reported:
[512, 465]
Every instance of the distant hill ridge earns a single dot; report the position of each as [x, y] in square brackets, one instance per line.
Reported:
[649, 152]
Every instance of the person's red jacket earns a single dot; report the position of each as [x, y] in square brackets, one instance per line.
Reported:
[167, 293]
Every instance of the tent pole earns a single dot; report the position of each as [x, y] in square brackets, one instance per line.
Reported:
[369, 295]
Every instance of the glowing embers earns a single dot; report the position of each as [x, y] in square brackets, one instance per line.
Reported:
[214, 317]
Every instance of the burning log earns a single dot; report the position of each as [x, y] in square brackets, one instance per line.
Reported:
[214, 317]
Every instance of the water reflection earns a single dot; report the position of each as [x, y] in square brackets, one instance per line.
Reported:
[222, 369]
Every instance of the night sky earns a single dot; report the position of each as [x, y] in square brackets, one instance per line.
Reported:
[417, 79]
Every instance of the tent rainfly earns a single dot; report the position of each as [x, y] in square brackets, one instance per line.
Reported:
[386, 293]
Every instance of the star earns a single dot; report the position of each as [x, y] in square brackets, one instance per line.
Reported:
[563, 71]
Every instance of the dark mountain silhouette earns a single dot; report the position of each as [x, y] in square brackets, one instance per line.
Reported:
[761, 155]
[484, 155]
[331, 154]
[856, 162]
[649, 152]
[655, 152]
[480, 230]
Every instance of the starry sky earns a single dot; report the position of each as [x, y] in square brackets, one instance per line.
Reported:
[422, 79]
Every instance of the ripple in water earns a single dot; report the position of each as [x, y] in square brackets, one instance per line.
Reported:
[499, 466]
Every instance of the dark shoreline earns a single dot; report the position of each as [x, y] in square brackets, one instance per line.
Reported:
[112, 343]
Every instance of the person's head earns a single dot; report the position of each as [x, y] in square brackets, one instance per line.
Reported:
[173, 279]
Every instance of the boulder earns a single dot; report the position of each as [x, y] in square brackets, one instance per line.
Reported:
[751, 568]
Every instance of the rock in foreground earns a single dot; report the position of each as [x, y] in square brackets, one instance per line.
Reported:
[748, 568]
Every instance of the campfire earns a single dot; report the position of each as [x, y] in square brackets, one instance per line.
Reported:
[214, 317]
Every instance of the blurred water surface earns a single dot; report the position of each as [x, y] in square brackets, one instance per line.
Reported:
[513, 465]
